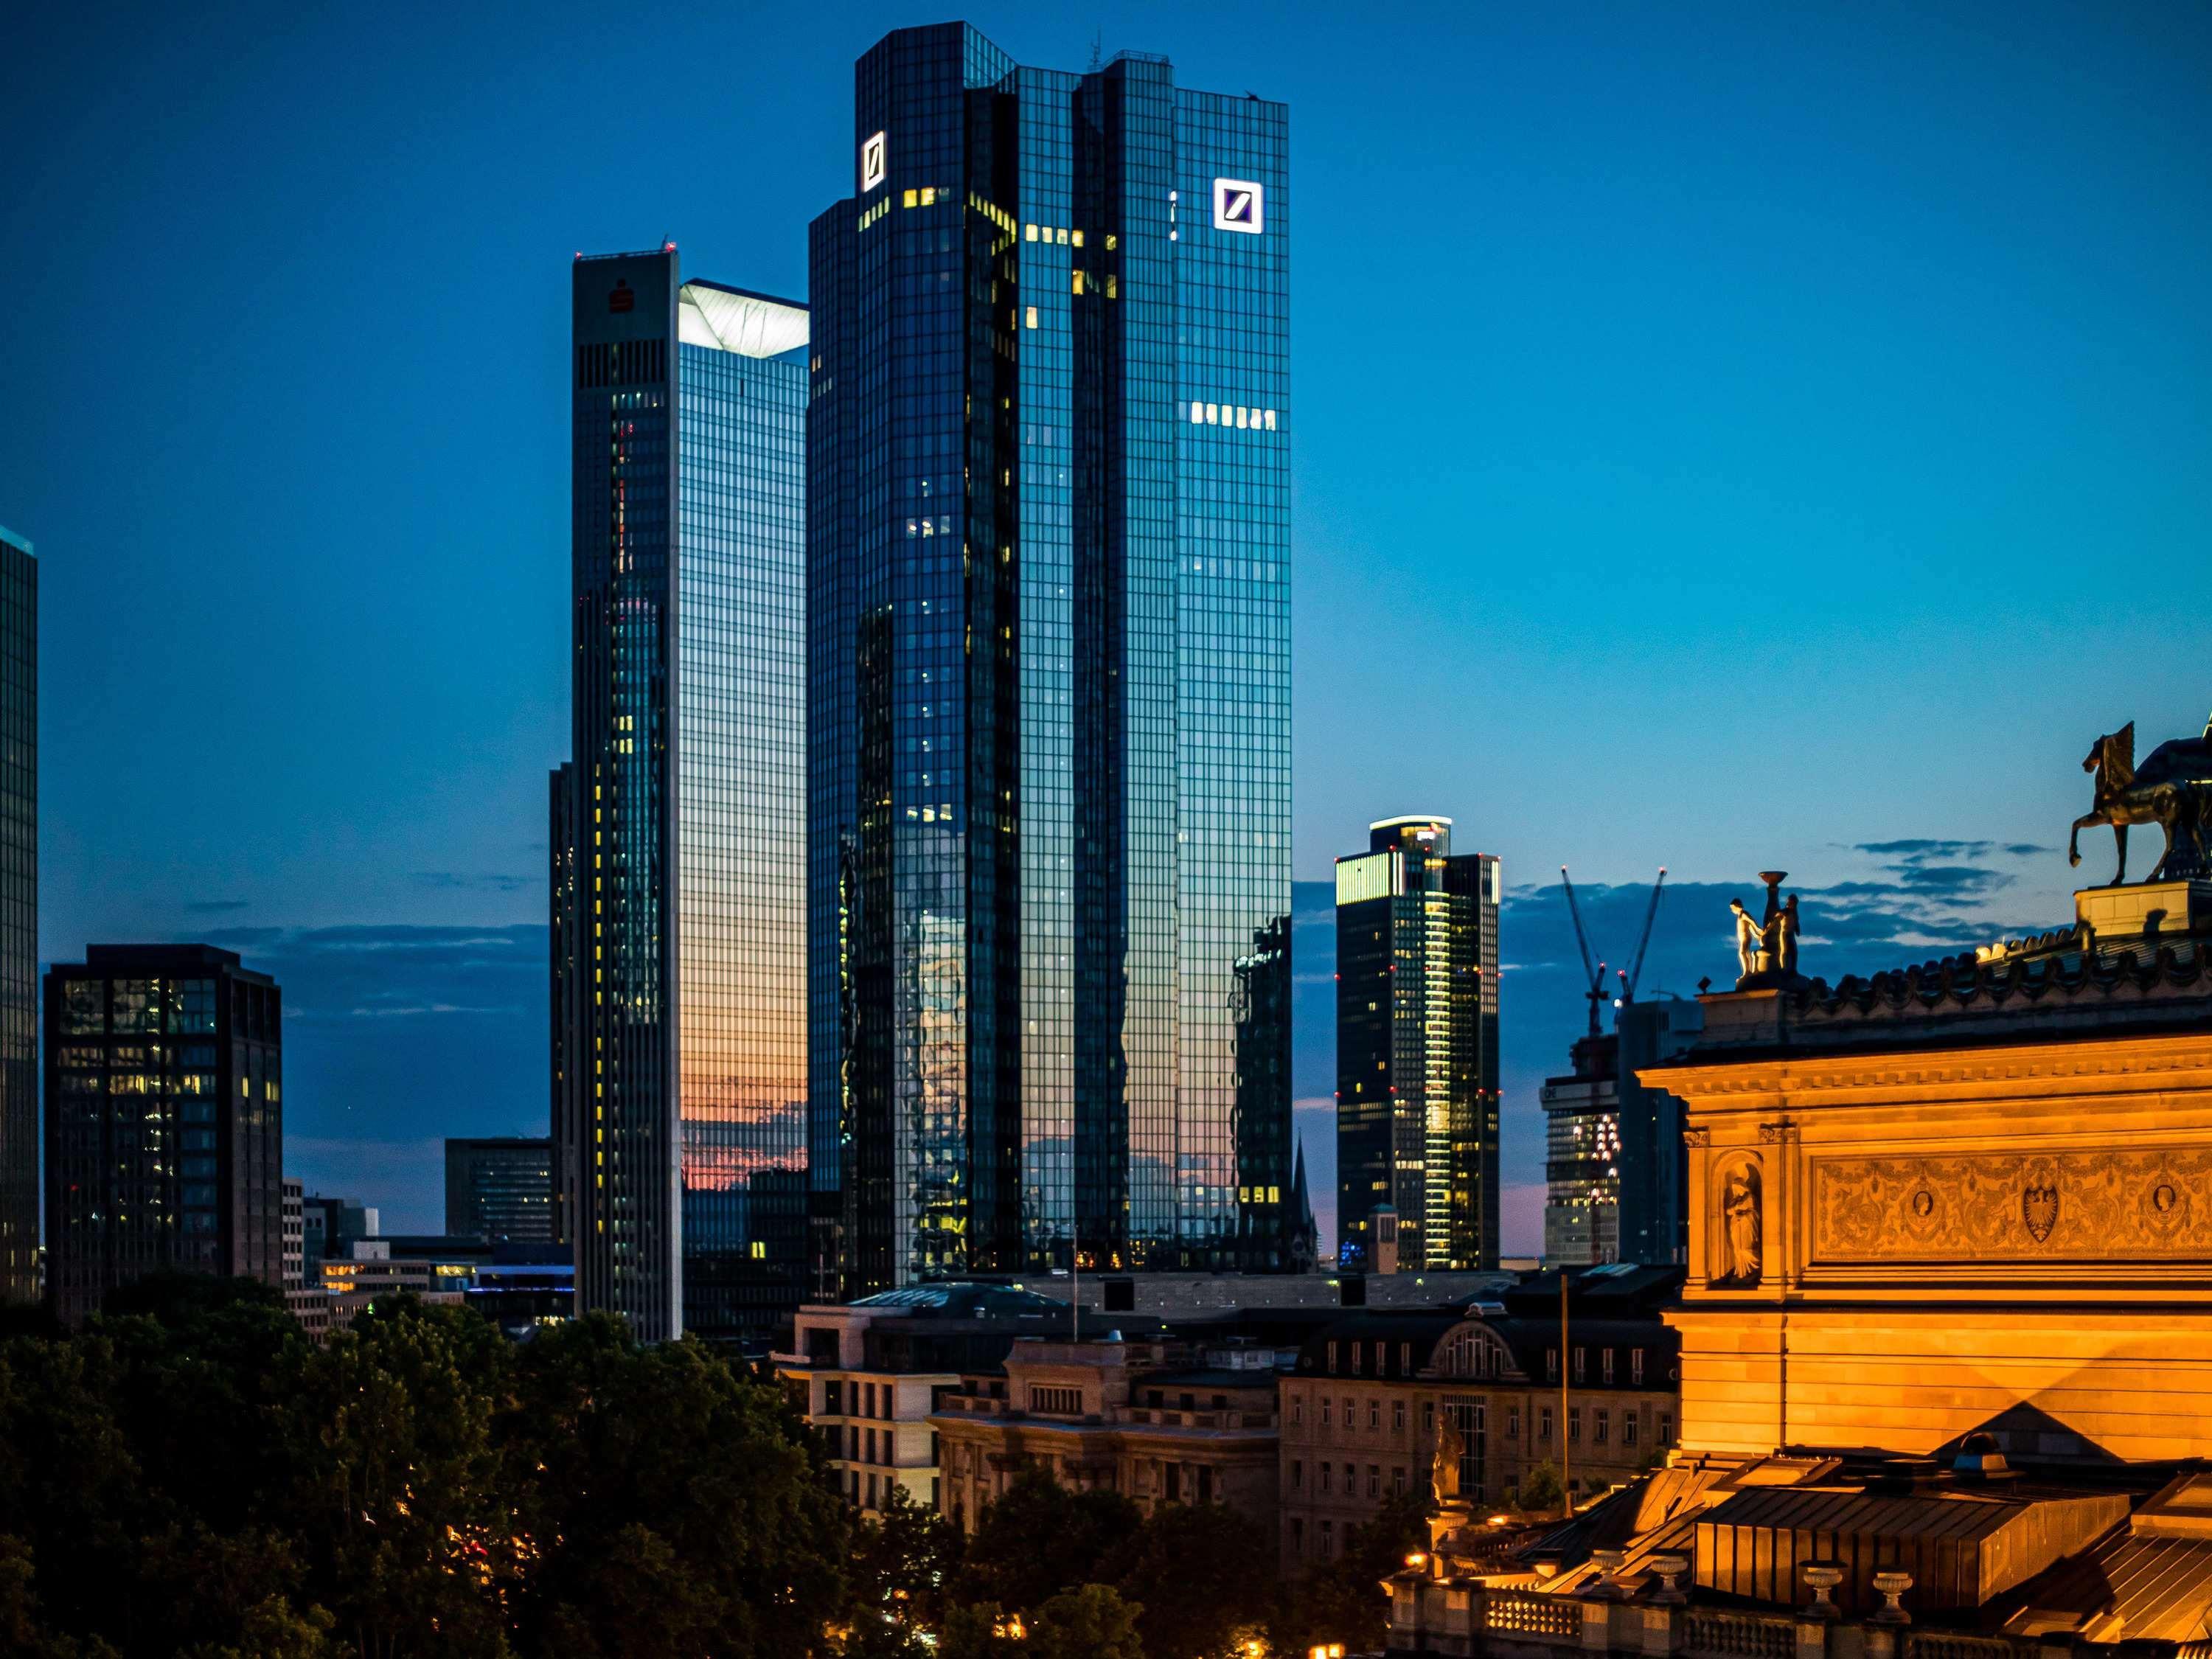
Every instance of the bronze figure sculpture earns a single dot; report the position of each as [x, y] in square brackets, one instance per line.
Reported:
[1766, 945]
[2172, 789]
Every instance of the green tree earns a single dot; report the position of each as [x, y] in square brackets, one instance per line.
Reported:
[1039, 1538]
[1342, 1601]
[976, 1629]
[1204, 1575]
[902, 1562]
[1540, 1492]
[397, 1501]
[1093, 1622]
[660, 1472]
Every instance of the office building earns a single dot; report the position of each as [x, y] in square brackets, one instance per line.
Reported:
[1417, 1049]
[1582, 1157]
[293, 1209]
[679, 931]
[1654, 1181]
[164, 1119]
[1150, 1418]
[1468, 1405]
[328, 1225]
[19, 920]
[500, 1189]
[1048, 672]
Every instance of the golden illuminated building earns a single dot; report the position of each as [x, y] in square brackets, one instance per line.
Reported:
[1947, 1334]
[1975, 1195]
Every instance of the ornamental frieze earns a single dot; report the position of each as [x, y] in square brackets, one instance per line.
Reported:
[2144, 1205]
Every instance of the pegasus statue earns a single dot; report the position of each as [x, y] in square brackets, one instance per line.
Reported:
[2172, 789]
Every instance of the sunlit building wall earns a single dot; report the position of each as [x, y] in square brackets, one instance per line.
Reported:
[681, 1036]
[1417, 1053]
[1050, 670]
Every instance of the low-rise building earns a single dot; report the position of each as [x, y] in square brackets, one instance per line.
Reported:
[1469, 1403]
[869, 1374]
[1154, 1419]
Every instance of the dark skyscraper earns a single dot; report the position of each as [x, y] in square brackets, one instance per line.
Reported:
[1049, 673]
[19, 920]
[678, 926]
[1417, 1047]
[165, 1120]
[500, 1189]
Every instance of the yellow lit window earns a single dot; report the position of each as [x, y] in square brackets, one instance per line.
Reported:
[1032, 317]
[1063, 236]
[1076, 280]
[1271, 420]
[1113, 286]
[928, 197]
[906, 200]
[1078, 239]
[1029, 232]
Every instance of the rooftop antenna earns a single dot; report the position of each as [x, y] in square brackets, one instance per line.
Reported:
[1595, 970]
[1097, 50]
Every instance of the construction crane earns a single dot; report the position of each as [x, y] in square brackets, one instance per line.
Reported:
[1635, 970]
[1595, 994]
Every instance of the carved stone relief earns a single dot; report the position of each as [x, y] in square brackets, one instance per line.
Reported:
[2143, 1205]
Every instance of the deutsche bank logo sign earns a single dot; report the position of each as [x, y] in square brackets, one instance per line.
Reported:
[873, 164]
[1238, 205]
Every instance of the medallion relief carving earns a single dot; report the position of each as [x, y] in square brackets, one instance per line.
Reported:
[1998, 1207]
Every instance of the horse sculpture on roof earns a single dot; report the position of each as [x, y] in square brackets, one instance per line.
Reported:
[2172, 789]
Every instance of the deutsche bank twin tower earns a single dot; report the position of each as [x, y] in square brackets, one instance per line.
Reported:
[1046, 600]
[1049, 649]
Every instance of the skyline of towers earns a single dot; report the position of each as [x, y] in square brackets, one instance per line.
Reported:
[1049, 837]
[678, 938]
[1417, 1049]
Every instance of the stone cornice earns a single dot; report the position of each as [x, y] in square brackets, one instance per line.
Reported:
[1770, 1074]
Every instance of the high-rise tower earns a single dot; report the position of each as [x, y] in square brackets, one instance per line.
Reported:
[165, 1120]
[1417, 1047]
[19, 920]
[679, 947]
[1048, 672]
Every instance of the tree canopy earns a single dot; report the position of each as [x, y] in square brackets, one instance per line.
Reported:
[191, 1475]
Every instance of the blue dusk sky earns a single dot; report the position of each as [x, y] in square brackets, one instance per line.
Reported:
[1724, 437]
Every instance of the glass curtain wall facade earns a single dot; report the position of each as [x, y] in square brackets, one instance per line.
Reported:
[1416, 1055]
[1049, 673]
[165, 1127]
[681, 1037]
[499, 1189]
[1581, 1157]
[19, 920]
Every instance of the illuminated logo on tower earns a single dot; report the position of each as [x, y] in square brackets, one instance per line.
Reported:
[1239, 204]
[874, 163]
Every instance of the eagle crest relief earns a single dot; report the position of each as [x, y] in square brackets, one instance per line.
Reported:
[2038, 1209]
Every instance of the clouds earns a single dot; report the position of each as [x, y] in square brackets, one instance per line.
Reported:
[448, 881]
[1908, 901]
[396, 1036]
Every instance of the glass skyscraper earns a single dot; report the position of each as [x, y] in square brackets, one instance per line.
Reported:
[19, 920]
[165, 1120]
[1416, 1047]
[679, 947]
[1048, 674]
